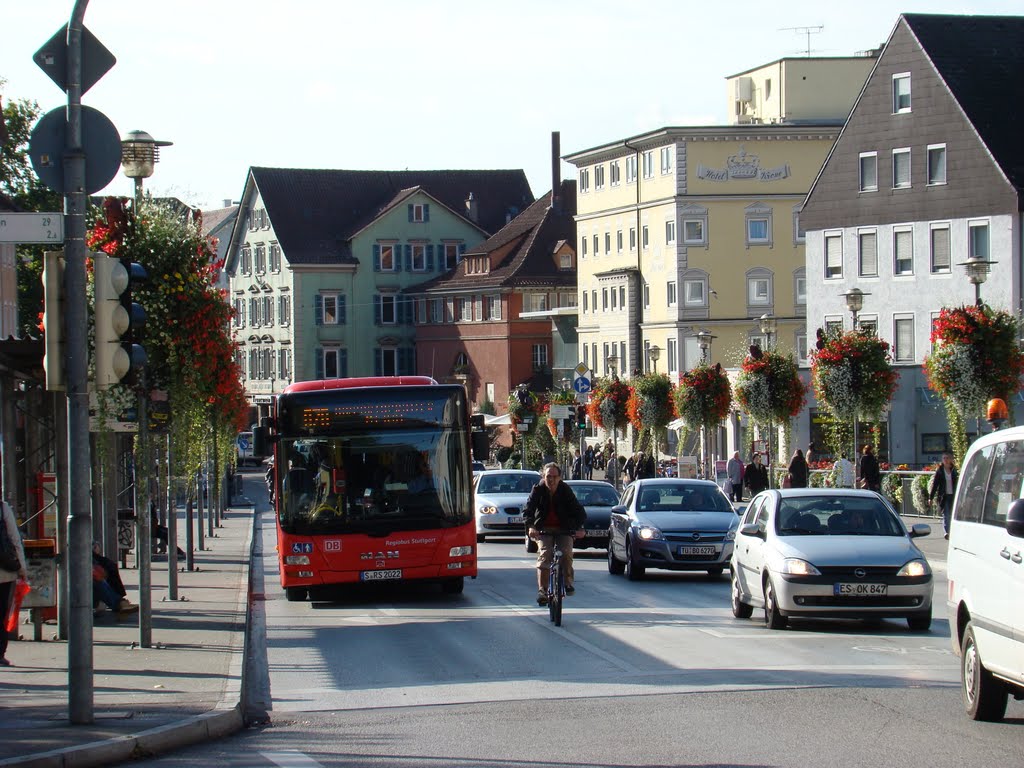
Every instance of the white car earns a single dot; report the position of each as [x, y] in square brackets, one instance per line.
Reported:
[986, 573]
[499, 496]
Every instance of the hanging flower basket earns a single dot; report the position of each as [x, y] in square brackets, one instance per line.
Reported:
[650, 404]
[518, 412]
[853, 376]
[769, 387]
[703, 397]
[560, 397]
[607, 408]
[976, 357]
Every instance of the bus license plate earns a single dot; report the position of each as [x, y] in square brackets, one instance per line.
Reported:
[390, 575]
[696, 551]
[846, 589]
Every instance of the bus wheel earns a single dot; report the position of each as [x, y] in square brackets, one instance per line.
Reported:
[453, 586]
[296, 594]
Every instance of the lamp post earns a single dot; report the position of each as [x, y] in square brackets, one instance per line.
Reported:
[564, 430]
[140, 152]
[977, 268]
[612, 365]
[654, 353]
[768, 325]
[524, 400]
[704, 340]
[854, 302]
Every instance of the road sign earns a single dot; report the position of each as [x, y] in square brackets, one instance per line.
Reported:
[52, 58]
[582, 378]
[100, 142]
[560, 411]
[31, 227]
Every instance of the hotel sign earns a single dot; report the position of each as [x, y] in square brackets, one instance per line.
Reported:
[742, 166]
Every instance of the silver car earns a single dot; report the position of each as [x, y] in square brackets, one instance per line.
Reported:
[829, 553]
[679, 525]
[499, 496]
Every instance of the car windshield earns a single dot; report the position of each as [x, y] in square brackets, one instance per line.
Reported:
[836, 516]
[683, 498]
[596, 495]
[499, 482]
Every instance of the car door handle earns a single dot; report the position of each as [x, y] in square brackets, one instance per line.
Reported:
[1005, 554]
[1015, 557]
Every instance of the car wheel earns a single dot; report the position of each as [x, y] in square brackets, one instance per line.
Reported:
[480, 538]
[715, 572]
[296, 594]
[984, 696]
[531, 546]
[740, 609]
[920, 622]
[773, 618]
[634, 571]
[615, 566]
[453, 586]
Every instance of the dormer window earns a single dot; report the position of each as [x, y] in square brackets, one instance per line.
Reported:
[419, 212]
[565, 261]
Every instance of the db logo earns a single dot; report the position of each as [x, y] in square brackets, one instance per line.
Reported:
[332, 545]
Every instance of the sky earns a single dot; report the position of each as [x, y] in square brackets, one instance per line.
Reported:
[406, 84]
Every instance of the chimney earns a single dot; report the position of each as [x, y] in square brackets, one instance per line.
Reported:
[227, 202]
[556, 177]
[471, 209]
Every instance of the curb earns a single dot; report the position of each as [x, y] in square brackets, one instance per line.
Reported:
[211, 725]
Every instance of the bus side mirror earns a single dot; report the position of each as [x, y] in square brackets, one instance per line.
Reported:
[260, 441]
[481, 446]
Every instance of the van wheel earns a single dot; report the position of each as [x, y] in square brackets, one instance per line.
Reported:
[296, 594]
[773, 618]
[984, 697]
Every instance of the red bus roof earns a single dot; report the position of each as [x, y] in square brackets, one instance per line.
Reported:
[364, 381]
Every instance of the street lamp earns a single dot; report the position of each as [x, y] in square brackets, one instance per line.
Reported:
[977, 268]
[768, 325]
[704, 340]
[854, 302]
[140, 152]
[612, 365]
[654, 353]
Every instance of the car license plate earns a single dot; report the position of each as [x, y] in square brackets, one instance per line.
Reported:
[598, 532]
[515, 519]
[697, 551]
[846, 589]
[389, 575]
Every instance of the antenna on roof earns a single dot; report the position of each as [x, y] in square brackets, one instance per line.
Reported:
[808, 31]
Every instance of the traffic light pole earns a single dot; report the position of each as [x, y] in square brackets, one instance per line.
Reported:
[80, 646]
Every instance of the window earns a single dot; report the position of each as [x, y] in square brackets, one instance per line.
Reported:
[647, 295]
[801, 347]
[598, 177]
[239, 319]
[867, 253]
[449, 310]
[329, 309]
[670, 291]
[437, 310]
[585, 304]
[604, 299]
[539, 357]
[593, 299]
[607, 242]
[833, 256]
[583, 246]
[465, 308]
[419, 257]
[670, 232]
[618, 241]
[632, 238]
[255, 307]
[901, 93]
[644, 235]
[903, 252]
[757, 230]
[584, 179]
[800, 290]
[387, 358]
[387, 257]
[613, 172]
[758, 291]
[936, 164]
[799, 235]
[673, 355]
[868, 324]
[666, 160]
[421, 311]
[900, 168]
[631, 169]
[275, 257]
[977, 245]
[758, 224]
[869, 171]
[693, 232]
[565, 261]
[622, 296]
[615, 299]
[388, 309]
[536, 302]
[268, 310]
[419, 212]
[334, 363]
[903, 333]
[261, 259]
[246, 266]
[693, 293]
[939, 247]
[833, 326]
[452, 255]
[648, 164]
[597, 245]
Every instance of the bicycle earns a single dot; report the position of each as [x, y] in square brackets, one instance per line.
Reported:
[556, 578]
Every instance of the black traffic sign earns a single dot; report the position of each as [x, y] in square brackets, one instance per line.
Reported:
[101, 144]
[52, 58]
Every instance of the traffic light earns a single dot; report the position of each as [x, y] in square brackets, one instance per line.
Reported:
[119, 320]
[581, 416]
[53, 319]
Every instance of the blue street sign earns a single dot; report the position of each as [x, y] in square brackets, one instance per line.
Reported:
[581, 384]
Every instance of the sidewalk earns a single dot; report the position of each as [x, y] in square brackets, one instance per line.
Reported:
[184, 689]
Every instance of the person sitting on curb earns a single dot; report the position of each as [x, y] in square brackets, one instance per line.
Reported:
[107, 586]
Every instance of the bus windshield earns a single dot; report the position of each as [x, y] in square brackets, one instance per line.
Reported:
[375, 481]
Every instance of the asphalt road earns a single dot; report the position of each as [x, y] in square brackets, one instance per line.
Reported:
[655, 673]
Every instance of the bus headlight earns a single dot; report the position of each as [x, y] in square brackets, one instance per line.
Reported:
[460, 551]
[296, 560]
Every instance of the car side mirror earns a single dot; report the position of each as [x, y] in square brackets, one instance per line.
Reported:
[1015, 519]
[920, 529]
[618, 509]
[752, 529]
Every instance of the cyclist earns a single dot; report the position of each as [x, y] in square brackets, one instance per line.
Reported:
[553, 506]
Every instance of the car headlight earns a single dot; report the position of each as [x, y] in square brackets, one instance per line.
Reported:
[794, 566]
[488, 510]
[730, 535]
[915, 568]
[647, 533]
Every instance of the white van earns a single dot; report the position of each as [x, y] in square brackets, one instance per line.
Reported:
[986, 573]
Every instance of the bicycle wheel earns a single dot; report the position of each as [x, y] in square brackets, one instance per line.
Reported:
[557, 593]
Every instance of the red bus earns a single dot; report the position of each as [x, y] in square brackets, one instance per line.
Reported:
[372, 483]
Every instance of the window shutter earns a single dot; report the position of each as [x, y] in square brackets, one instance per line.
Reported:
[408, 257]
[410, 211]
[833, 256]
[426, 212]
[378, 362]
[376, 257]
[462, 250]
[376, 309]
[343, 363]
[430, 257]
[319, 351]
[341, 309]
[869, 254]
[940, 253]
[318, 310]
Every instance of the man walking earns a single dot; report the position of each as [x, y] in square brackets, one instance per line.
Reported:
[755, 476]
[734, 469]
[942, 488]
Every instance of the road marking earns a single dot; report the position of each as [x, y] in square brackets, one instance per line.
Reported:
[290, 758]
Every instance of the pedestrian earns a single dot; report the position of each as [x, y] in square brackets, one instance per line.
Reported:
[588, 463]
[107, 586]
[797, 470]
[868, 472]
[577, 466]
[9, 578]
[629, 470]
[734, 471]
[843, 469]
[755, 475]
[811, 454]
[553, 517]
[942, 488]
[611, 470]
